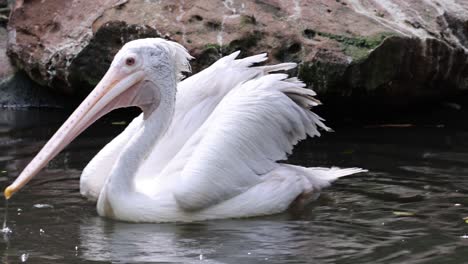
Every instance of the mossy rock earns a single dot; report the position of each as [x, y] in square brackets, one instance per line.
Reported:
[357, 47]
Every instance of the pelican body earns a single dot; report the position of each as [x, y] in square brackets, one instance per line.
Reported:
[203, 148]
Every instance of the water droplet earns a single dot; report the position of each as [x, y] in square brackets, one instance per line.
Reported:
[24, 257]
[464, 236]
[5, 229]
[19, 210]
[76, 248]
[457, 204]
[248, 253]
[41, 231]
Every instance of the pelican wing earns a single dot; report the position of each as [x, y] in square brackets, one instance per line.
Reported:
[254, 126]
[197, 97]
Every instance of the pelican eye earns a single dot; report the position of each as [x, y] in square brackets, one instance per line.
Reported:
[130, 61]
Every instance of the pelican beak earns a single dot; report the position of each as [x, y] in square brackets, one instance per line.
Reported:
[109, 94]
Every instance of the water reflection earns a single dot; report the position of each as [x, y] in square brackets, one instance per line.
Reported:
[102, 240]
[273, 240]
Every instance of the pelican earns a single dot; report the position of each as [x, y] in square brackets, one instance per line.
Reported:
[203, 148]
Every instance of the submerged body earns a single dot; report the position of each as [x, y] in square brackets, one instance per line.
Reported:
[203, 148]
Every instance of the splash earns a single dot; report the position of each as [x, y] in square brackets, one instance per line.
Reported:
[24, 257]
[5, 229]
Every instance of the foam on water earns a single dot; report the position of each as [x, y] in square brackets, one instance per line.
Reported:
[24, 257]
[42, 206]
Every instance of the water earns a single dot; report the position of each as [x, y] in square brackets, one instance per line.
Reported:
[409, 208]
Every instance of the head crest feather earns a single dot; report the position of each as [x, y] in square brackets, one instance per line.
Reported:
[178, 53]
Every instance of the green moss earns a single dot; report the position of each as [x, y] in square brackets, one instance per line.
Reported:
[358, 54]
[361, 42]
[212, 46]
[323, 76]
[359, 47]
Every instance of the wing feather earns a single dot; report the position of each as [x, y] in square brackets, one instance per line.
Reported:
[254, 126]
[197, 97]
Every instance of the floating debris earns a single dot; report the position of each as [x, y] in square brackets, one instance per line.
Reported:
[119, 123]
[3, 171]
[41, 231]
[42, 206]
[399, 213]
[464, 236]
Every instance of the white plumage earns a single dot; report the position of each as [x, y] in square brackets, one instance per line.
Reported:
[232, 122]
[213, 152]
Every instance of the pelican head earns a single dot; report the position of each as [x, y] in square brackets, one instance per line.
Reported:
[141, 72]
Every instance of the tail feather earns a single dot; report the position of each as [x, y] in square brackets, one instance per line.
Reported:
[323, 177]
[313, 180]
[319, 177]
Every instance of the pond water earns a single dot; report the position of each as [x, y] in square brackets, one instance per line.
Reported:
[408, 209]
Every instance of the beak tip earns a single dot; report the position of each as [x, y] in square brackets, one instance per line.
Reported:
[9, 191]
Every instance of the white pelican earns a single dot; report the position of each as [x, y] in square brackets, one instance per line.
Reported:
[203, 148]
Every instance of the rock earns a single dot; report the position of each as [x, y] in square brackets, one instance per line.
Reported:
[344, 47]
[17, 90]
[6, 69]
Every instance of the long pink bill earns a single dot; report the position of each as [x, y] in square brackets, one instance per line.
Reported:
[104, 98]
